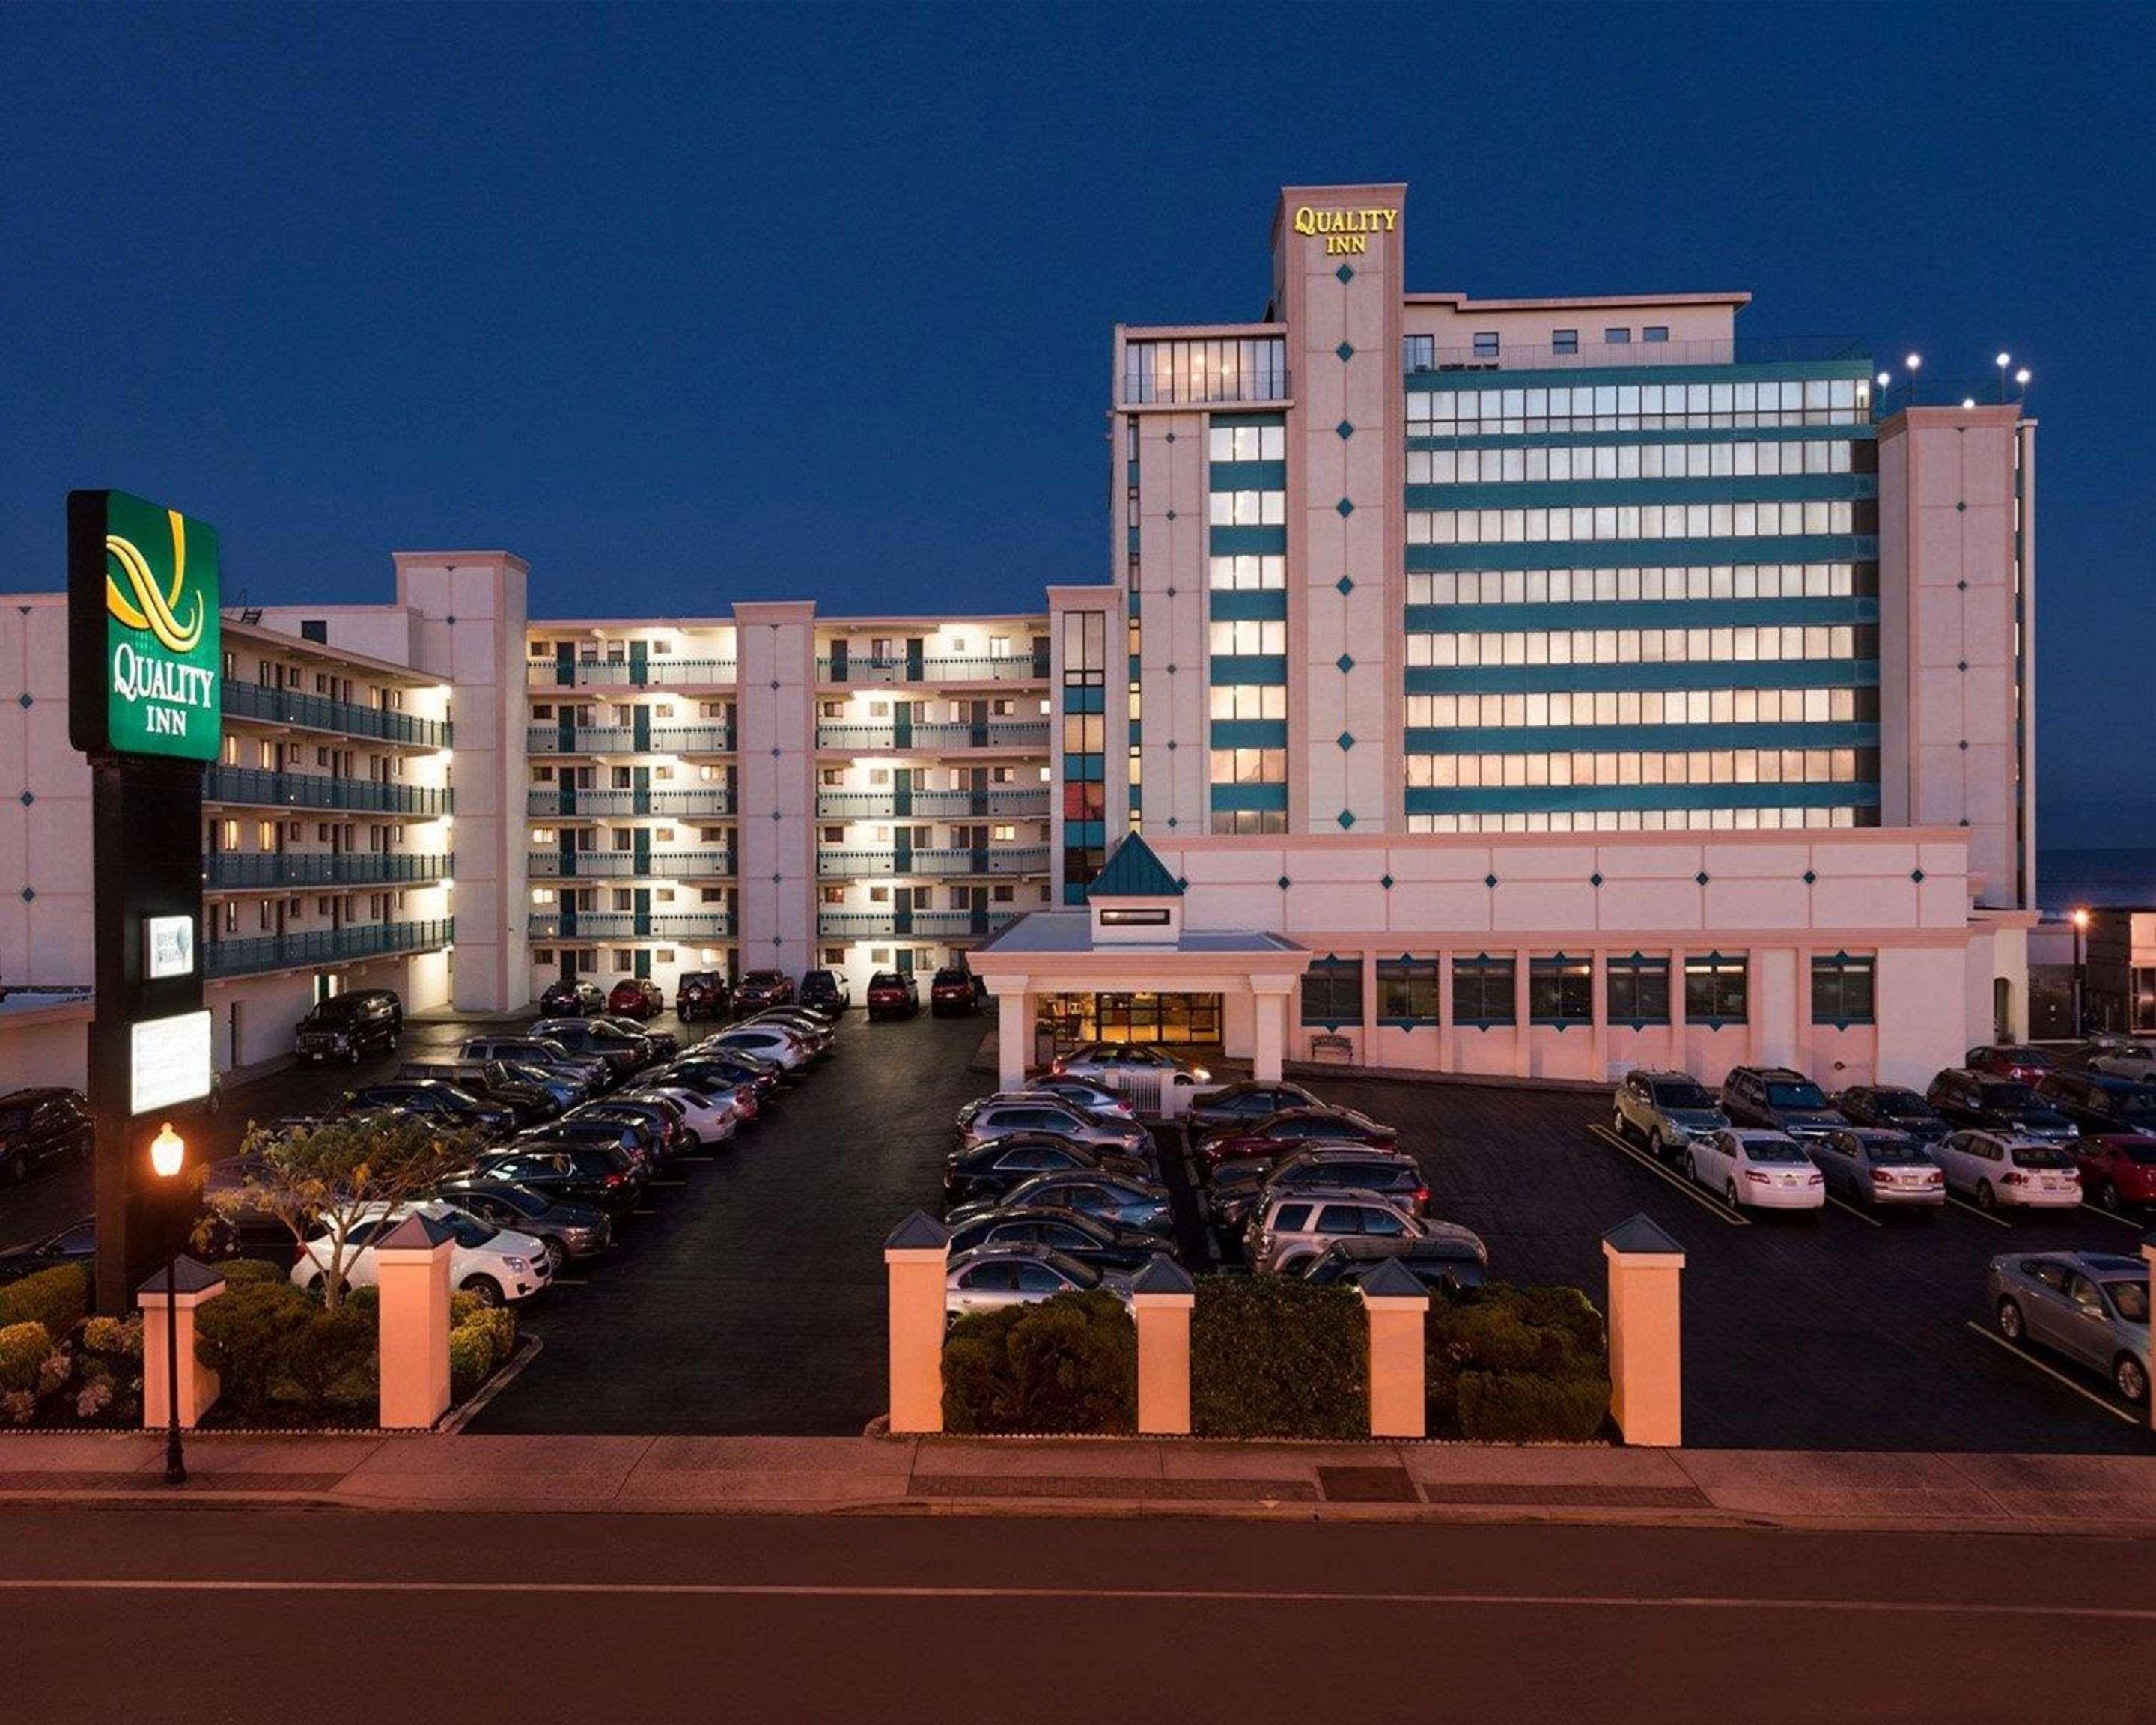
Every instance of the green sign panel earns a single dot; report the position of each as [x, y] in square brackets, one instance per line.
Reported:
[145, 641]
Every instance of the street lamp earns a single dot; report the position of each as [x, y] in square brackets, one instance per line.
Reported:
[168, 1155]
[2002, 363]
[2080, 922]
[1915, 363]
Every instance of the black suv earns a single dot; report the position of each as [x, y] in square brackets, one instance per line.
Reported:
[2097, 1103]
[702, 995]
[571, 999]
[760, 989]
[345, 1027]
[41, 1126]
[1998, 1104]
[1779, 1100]
[826, 992]
[1890, 1108]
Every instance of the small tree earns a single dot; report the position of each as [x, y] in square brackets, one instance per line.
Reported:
[334, 1178]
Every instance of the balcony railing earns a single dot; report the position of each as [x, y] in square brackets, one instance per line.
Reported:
[318, 712]
[244, 870]
[898, 923]
[623, 740]
[324, 945]
[255, 788]
[1027, 734]
[848, 863]
[626, 865]
[1421, 360]
[1016, 800]
[855, 671]
[567, 801]
[628, 925]
[662, 672]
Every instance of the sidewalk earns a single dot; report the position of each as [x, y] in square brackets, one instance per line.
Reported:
[2108, 1496]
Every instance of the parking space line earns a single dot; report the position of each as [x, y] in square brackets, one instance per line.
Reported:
[1713, 1206]
[2111, 1216]
[1980, 1215]
[1840, 1204]
[570, 1281]
[644, 1213]
[669, 1182]
[2029, 1360]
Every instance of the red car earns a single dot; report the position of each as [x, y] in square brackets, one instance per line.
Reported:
[2118, 1169]
[2023, 1064]
[952, 992]
[892, 995]
[637, 997]
[1290, 1130]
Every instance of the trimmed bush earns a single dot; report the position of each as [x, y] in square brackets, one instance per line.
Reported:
[329, 1358]
[1069, 1364]
[498, 1324]
[236, 1271]
[1511, 1408]
[1517, 1365]
[24, 1349]
[56, 1298]
[1273, 1357]
[244, 1336]
[471, 1358]
[120, 1338]
[463, 1307]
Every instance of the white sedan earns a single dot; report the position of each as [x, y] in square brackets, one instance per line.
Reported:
[494, 1264]
[1757, 1169]
[1021, 1273]
[710, 1120]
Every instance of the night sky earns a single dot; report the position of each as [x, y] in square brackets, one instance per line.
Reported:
[698, 304]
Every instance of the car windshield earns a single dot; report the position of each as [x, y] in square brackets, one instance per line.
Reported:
[2130, 1299]
[1900, 1104]
[2041, 1156]
[13, 1120]
[2138, 1105]
[2009, 1096]
[335, 1010]
[1797, 1094]
[1773, 1150]
[885, 979]
[1682, 1096]
[765, 977]
[2143, 1155]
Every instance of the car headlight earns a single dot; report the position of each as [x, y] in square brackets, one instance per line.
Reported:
[516, 1267]
[1677, 1135]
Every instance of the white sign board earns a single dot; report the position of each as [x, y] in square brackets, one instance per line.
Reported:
[168, 946]
[168, 1061]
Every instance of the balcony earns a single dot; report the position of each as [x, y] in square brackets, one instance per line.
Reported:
[849, 864]
[1423, 357]
[250, 870]
[628, 740]
[1009, 799]
[626, 865]
[900, 923]
[321, 946]
[317, 712]
[687, 927]
[845, 669]
[251, 788]
[1027, 736]
[571, 801]
[664, 672]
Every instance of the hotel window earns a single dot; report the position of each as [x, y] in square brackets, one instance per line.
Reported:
[1560, 991]
[1639, 988]
[1485, 344]
[1482, 992]
[1716, 990]
[1332, 992]
[1407, 991]
[1419, 352]
[1616, 337]
[1655, 332]
[1842, 990]
[1564, 340]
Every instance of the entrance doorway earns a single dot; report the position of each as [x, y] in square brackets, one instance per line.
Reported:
[1164, 1018]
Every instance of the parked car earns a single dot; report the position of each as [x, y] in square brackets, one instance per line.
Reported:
[662, 1119]
[708, 1117]
[74, 1244]
[1112, 1198]
[500, 1266]
[662, 1045]
[1393, 1177]
[997, 1117]
[950, 992]
[1993, 1104]
[892, 995]
[2100, 1101]
[622, 1054]
[1238, 1105]
[636, 997]
[1287, 1132]
[705, 1067]
[1892, 1108]
[570, 998]
[1103, 1245]
[642, 1137]
[2118, 1057]
[2117, 1169]
[702, 995]
[495, 1082]
[597, 1175]
[812, 1029]
[785, 1048]
[1448, 1260]
[2014, 1060]
[1666, 1110]
[1111, 1062]
[2092, 1306]
[1775, 1099]
[989, 1278]
[1751, 1166]
[42, 1126]
[2000, 1170]
[827, 992]
[763, 988]
[443, 1105]
[1285, 1234]
[569, 1232]
[1867, 1165]
[992, 1169]
[345, 1028]
[1096, 1097]
[591, 1072]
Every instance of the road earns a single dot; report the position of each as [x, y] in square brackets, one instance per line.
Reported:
[243, 1615]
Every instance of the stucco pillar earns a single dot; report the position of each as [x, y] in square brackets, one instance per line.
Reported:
[1162, 1299]
[1800, 1021]
[1598, 994]
[916, 1258]
[1523, 1029]
[1013, 1033]
[1447, 1060]
[412, 1266]
[1398, 1305]
[1678, 1040]
[1646, 1360]
[1270, 997]
[2148, 1359]
[193, 1286]
[1368, 1042]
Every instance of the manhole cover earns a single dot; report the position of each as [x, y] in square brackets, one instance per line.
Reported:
[1366, 1485]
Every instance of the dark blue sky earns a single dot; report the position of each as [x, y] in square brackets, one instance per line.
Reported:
[688, 305]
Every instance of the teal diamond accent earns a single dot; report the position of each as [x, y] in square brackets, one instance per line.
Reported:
[1594, 879]
[23, 699]
[1386, 881]
[1699, 879]
[1345, 349]
[1283, 883]
[1345, 507]
[1344, 430]
[1347, 740]
[1343, 587]
[1346, 817]
[1345, 663]
[1809, 877]
[1491, 881]
[1917, 875]
[1345, 274]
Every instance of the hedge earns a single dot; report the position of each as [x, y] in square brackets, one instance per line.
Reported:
[1274, 1357]
[236, 1271]
[1517, 1365]
[56, 1298]
[24, 1349]
[1068, 1364]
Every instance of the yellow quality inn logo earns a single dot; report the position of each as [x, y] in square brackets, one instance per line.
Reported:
[144, 605]
[1345, 231]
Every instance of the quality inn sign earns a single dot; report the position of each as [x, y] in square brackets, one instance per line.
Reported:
[145, 641]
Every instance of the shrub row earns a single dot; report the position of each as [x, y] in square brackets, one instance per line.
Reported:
[1517, 1365]
[1068, 1364]
[56, 1298]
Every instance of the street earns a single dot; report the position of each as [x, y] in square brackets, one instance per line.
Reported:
[261, 1615]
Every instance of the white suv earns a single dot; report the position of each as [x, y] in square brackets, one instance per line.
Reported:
[1750, 1166]
[1996, 1169]
[1285, 1233]
[496, 1264]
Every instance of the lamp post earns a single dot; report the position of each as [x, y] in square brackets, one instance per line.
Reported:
[1915, 362]
[2081, 921]
[168, 1155]
[2021, 378]
[2002, 363]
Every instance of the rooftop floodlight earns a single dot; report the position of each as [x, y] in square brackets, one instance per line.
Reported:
[2021, 376]
[1914, 361]
[2003, 360]
[1885, 380]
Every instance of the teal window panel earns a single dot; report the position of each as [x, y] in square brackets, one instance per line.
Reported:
[1529, 378]
[1244, 541]
[1249, 733]
[1085, 768]
[1531, 739]
[1246, 476]
[1522, 799]
[1085, 700]
[1247, 419]
[1617, 494]
[1611, 553]
[1640, 613]
[1237, 606]
[1082, 834]
[1718, 674]
[1247, 668]
[1691, 435]
[1247, 796]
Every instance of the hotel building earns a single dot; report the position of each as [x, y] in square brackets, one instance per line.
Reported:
[1568, 684]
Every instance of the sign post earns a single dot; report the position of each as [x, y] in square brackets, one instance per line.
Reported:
[145, 704]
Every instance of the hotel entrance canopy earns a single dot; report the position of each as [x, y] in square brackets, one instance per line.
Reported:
[1130, 939]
